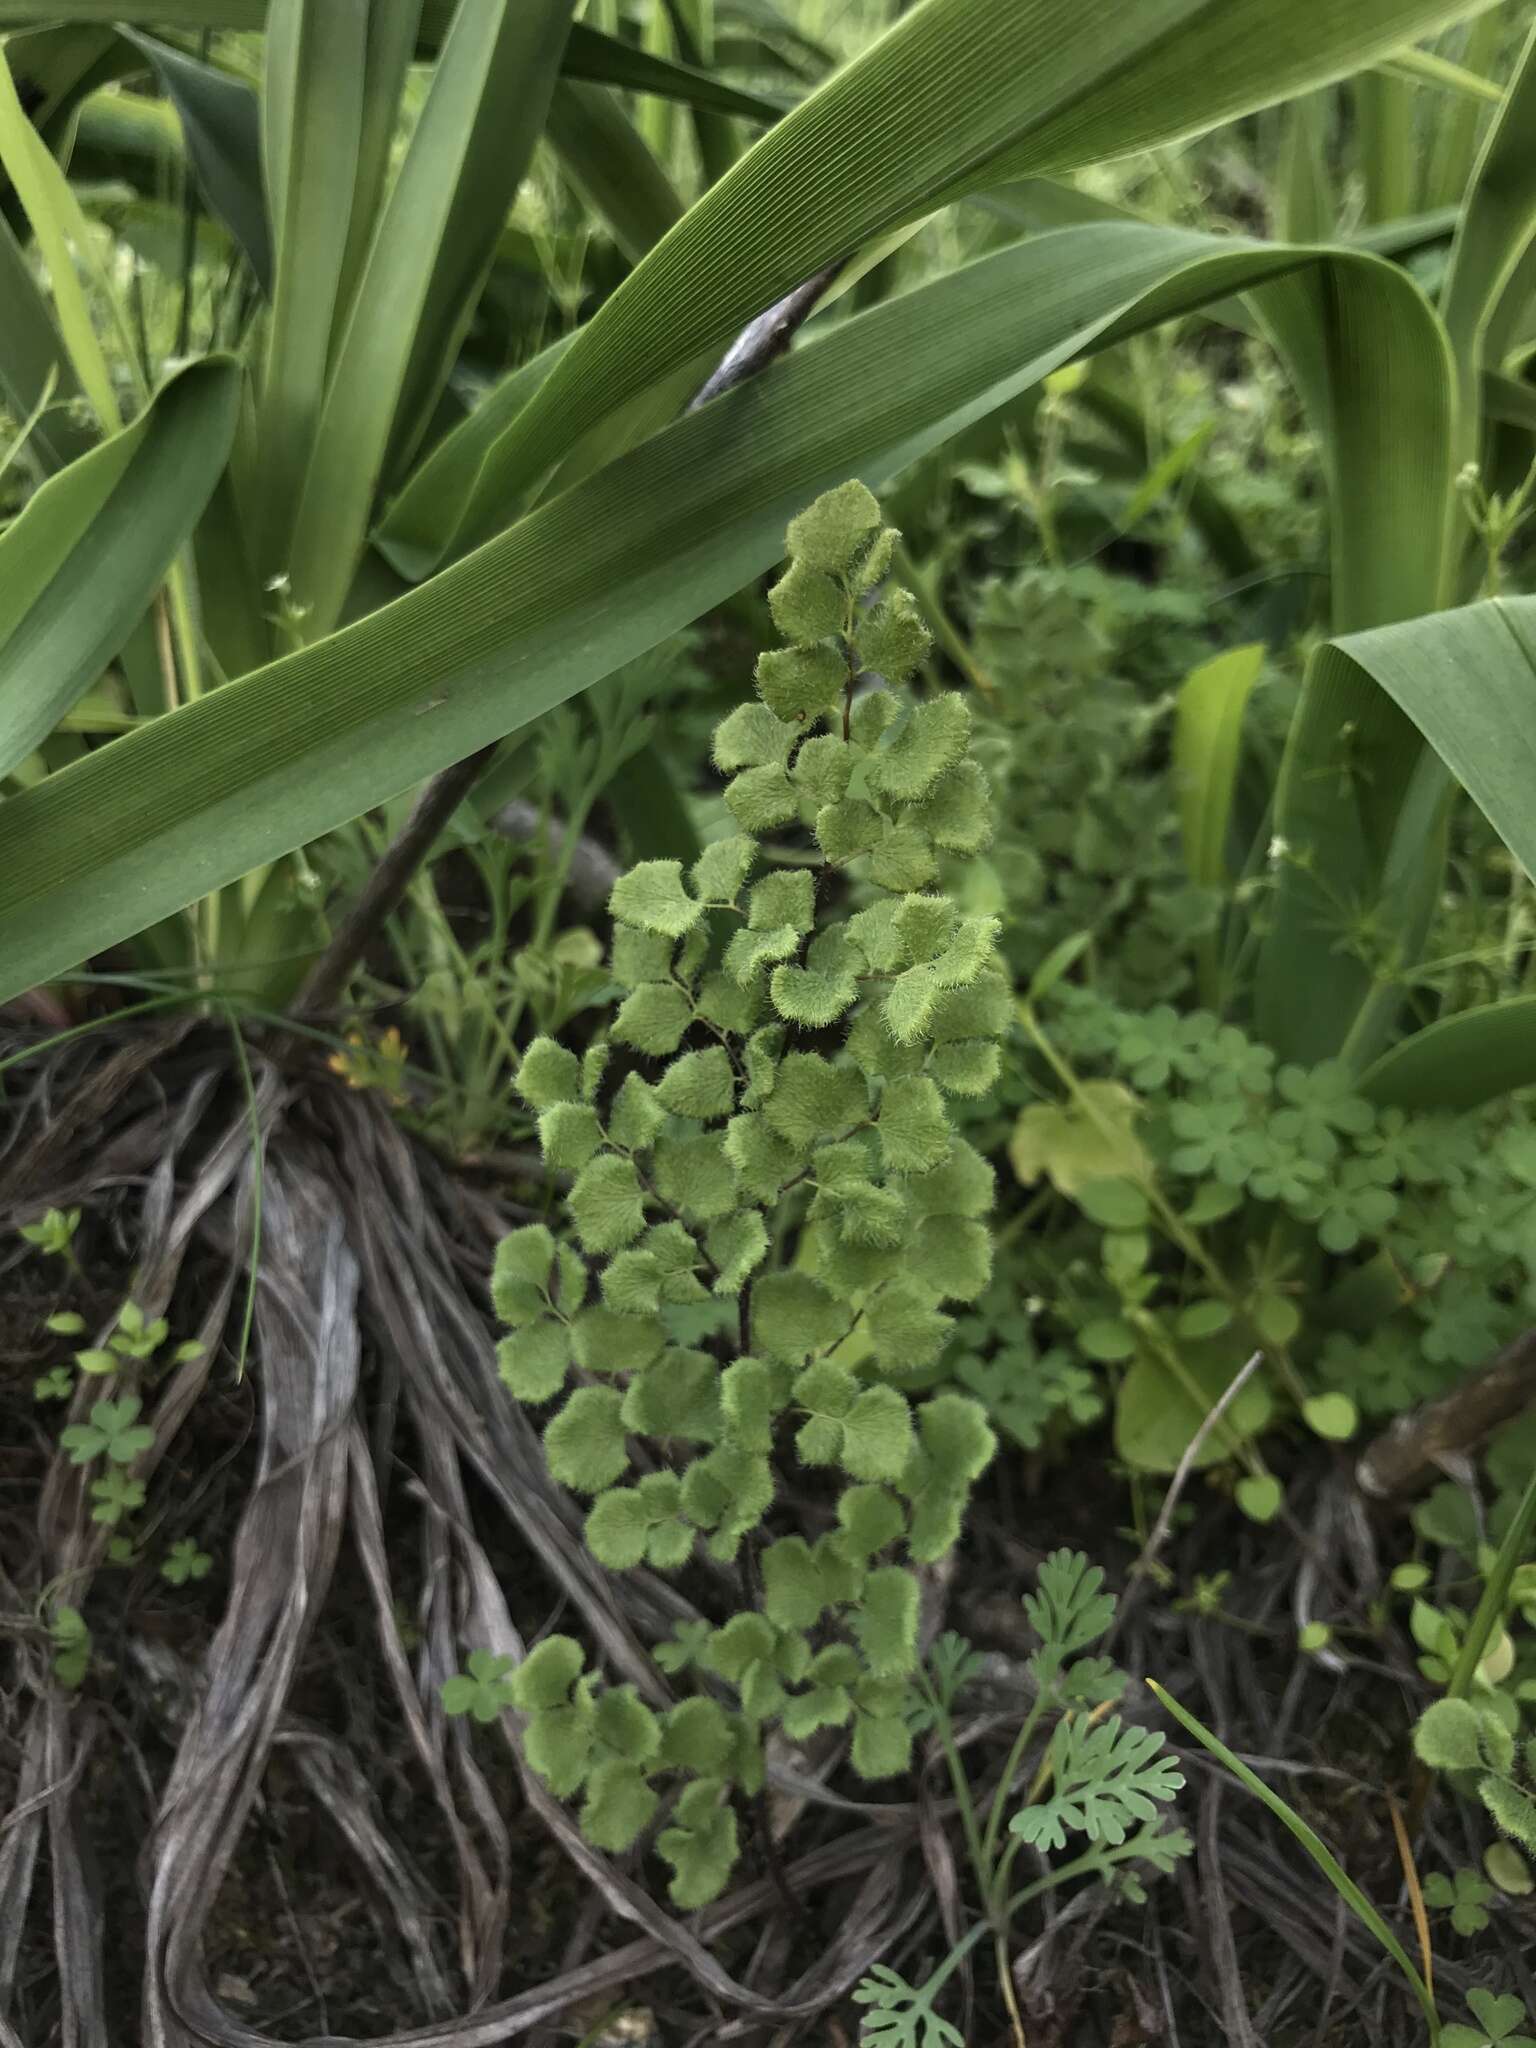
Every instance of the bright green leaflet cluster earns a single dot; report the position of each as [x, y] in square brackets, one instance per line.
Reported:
[771, 1209]
[1225, 1205]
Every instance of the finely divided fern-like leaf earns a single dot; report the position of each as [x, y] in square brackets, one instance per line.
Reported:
[900, 2015]
[1105, 1780]
[1067, 1610]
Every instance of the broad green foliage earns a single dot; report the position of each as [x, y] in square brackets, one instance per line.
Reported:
[771, 1213]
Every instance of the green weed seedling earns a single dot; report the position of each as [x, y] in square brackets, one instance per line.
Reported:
[770, 1210]
[1095, 1787]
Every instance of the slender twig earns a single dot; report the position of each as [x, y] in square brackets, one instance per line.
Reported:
[388, 883]
[1409, 1454]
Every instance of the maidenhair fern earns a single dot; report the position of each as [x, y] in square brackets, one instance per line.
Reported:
[770, 1210]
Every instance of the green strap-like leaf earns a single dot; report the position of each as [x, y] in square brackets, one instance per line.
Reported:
[223, 136]
[590, 580]
[312, 110]
[82, 562]
[34, 364]
[958, 95]
[436, 236]
[1460, 1062]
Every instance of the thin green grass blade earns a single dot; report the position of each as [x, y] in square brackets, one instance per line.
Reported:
[1315, 1847]
[435, 240]
[82, 562]
[1453, 151]
[1304, 196]
[586, 582]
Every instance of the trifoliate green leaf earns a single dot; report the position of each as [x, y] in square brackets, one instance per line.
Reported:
[533, 1363]
[549, 1073]
[807, 604]
[812, 1100]
[956, 1438]
[877, 1435]
[868, 1519]
[925, 926]
[678, 1397]
[825, 1705]
[864, 1214]
[873, 936]
[694, 1176]
[787, 896]
[800, 683]
[927, 746]
[886, 1622]
[882, 1746]
[594, 1065]
[752, 1394]
[957, 812]
[617, 1528]
[822, 769]
[903, 859]
[967, 1067]
[700, 1846]
[617, 1806]
[729, 1492]
[848, 828]
[914, 1130]
[952, 1256]
[906, 1329]
[835, 532]
[584, 1443]
[794, 1315]
[605, 1204]
[677, 1255]
[700, 1085]
[813, 997]
[962, 1186]
[718, 873]
[982, 1008]
[607, 1342]
[749, 952]
[738, 1245]
[696, 1736]
[873, 712]
[625, 1725]
[653, 1018]
[878, 1057]
[569, 1134]
[793, 1594]
[760, 1057]
[761, 1158]
[520, 1277]
[636, 1115]
[558, 1746]
[893, 640]
[745, 1640]
[730, 1005]
[651, 895]
[751, 737]
[640, 956]
[760, 798]
[546, 1675]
